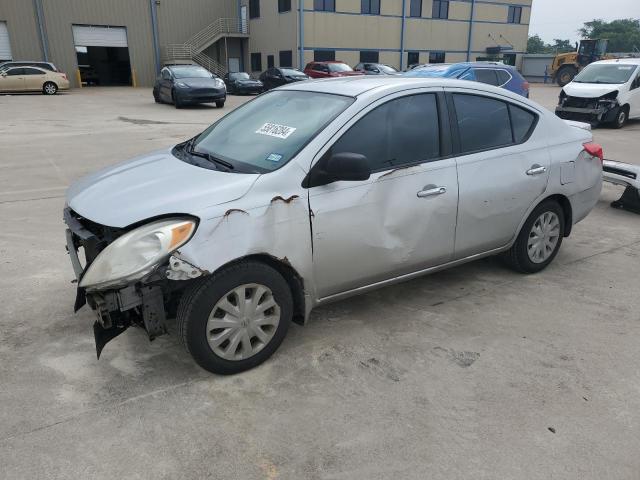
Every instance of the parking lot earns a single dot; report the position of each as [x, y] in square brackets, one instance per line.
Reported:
[475, 372]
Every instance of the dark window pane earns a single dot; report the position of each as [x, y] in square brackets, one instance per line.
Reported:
[286, 58]
[413, 58]
[503, 77]
[256, 62]
[440, 9]
[254, 8]
[370, 6]
[400, 132]
[271, 62]
[32, 71]
[522, 121]
[415, 9]
[284, 6]
[15, 71]
[369, 56]
[324, 55]
[483, 122]
[326, 5]
[436, 57]
[486, 75]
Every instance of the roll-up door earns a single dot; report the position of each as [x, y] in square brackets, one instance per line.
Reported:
[92, 36]
[5, 44]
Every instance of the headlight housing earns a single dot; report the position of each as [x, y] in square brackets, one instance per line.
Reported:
[181, 85]
[219, 83]
[136, 253]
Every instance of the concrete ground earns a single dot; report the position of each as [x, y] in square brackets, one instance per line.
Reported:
[476, 372]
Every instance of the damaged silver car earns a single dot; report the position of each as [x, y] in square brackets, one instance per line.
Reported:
[317, 191]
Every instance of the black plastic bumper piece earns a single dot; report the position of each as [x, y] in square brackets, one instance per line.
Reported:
[630, 200]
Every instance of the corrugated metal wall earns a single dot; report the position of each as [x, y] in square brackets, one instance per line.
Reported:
[179, 20]
[23, 32]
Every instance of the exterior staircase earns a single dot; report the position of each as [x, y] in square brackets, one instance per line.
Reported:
[192, 51]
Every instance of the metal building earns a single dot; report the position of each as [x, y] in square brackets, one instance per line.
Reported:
[125, 42]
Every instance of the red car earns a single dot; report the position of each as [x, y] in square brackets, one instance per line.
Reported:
[329, 69]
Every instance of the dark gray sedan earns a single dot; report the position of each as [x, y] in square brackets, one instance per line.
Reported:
[189, 84]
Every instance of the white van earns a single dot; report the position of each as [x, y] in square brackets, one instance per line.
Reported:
[604, 92]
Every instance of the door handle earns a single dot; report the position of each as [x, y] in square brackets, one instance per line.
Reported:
[536, 170]
[431, 190]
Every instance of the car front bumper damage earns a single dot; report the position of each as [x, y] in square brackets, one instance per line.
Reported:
[145, 303]
[594, 113]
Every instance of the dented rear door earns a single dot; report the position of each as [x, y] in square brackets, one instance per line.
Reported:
[403, 218]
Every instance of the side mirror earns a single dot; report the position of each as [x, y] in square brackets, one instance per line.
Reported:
[346, 166]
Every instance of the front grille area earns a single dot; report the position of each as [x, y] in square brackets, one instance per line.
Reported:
[579, 102]
[91, 236]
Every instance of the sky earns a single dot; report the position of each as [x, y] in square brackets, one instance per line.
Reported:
[562, 18]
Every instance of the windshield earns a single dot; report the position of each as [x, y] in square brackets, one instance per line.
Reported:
[291, 72]
[190, 72]
[239, 76]
[339, 67]
[439, 71]
[267, 132]
[387, 69]
[605, 73]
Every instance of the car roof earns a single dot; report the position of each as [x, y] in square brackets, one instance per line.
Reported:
[358, 85]
[627, 61]
[327, 61]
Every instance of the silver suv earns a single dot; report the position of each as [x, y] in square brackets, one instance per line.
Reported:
[317, 191]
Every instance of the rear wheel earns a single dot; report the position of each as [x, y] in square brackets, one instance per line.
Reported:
[49, 88]
[235, 319]
[539, 240]
[566, 74]
[621, 117]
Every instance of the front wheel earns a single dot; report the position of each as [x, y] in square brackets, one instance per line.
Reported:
[237, 318]
[220, 103]
[621, 118]
[49, 88]
[539, 240]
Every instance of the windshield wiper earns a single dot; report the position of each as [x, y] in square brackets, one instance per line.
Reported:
[208, 156]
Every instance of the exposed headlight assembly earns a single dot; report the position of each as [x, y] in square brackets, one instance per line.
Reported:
[136, 253]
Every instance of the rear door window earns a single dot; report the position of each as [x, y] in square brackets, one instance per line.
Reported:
[33, 71]
[486, 75]
[400, 132]
[483, 123]
[523, 122]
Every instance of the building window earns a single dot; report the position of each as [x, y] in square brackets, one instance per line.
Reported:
[271, 61]
[440, 9]
[256, 62]
[515, 15]
[286, 58]
[368, 56]
[413, 58]
[371, 7]
[324, 55]
[254, 8]
[415, 9]
[284, 6]
[436, 57]
[509, 59]
[325, 5]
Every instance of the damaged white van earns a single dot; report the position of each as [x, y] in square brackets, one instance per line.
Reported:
[316, 191]
[605, 92]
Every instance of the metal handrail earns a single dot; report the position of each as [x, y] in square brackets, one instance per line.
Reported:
[218, 28]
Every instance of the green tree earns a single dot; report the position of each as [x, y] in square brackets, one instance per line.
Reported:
[623, 34]
[562, 46]
[536, 45]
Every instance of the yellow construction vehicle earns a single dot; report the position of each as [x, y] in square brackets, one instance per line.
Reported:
[567, 65]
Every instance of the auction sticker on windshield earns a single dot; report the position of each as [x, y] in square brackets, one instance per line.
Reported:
[275, 130]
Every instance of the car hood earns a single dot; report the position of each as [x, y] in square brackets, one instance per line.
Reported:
[296, 78]
[248, 82]
[153, 185]
[346, 74]
[198, 82]
[589, 90]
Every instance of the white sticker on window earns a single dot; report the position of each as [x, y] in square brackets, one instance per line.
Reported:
[274, 157]
[275, 130]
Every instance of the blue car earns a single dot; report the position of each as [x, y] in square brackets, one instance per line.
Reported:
[493, 73]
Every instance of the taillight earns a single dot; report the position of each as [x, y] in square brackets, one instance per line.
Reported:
[594, 149]
[525, 86]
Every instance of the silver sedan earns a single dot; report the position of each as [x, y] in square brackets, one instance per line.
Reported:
[317, 191]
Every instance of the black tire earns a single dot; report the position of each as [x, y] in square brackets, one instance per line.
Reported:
[220, 103]
[156, 97]
[176, 100]
[517, 257]
[200, 299]
[565, 74]
[622, 115]
[49, 88]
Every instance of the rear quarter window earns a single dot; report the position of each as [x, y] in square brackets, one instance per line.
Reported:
[523, 122]
[503, 77]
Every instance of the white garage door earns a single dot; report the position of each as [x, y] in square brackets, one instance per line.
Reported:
[5, 45]
[90, 36]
